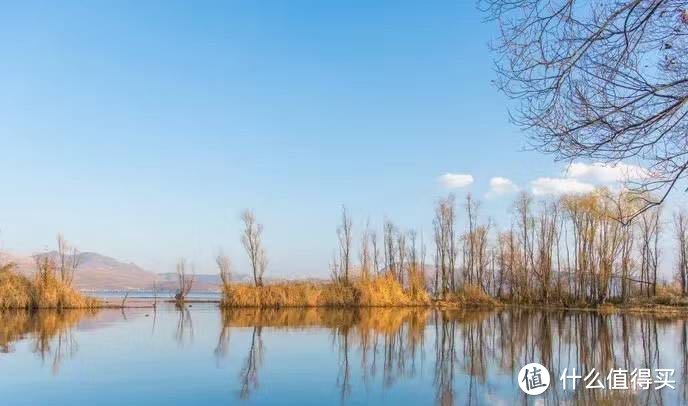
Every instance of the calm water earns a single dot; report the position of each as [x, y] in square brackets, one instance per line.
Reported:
[201, 355]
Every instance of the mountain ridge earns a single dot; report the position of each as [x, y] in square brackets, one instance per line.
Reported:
[101, 272]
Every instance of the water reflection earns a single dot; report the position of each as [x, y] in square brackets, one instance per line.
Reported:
[353, 355]
[476, 354]
[251, 365]
[184, 334]
[49, 332]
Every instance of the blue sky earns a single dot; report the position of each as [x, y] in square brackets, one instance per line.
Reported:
[140, 130]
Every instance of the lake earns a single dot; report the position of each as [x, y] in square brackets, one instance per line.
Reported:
[202, 355]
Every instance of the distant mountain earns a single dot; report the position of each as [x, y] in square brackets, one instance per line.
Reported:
[99, 272]
[95, 272]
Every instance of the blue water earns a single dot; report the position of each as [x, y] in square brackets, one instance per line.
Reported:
[201, 355]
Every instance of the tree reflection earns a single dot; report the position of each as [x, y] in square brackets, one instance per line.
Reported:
[185, 331]
[50, 333]
[249, 372]
[471, 348]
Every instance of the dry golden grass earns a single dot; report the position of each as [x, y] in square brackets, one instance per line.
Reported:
[16, 291]
[53, 294]
[470, 296]
[20, 292]
[669, 295]
[370, 292]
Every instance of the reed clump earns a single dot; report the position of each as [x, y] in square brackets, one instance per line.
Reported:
[15, 291]
[43, 291]
[363, 292]
[470, 295]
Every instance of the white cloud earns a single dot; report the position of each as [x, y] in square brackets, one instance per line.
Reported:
[583, 177]
[606, 173]
[455, 180]
[501, 186]
[559, 186]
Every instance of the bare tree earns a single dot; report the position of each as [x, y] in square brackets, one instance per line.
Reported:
[252, 240]
[365, 254]
[445, 245]
[423, 253]
[545, 241]
[505, 259]
[650, 229]
[416, 264]
[480, 250]
[681, 229]
[68, 259]
[334, 268]
[224, 265]
[185, 280]
[526, 225]
[389, 230]
[402, 255]
[412, 252]
[602, 80]
[344, 237]
[375, 252]
[469, 256]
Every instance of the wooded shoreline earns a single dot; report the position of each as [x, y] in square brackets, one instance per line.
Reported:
[573, 252]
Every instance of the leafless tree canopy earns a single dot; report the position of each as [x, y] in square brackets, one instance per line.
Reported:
[185, 279]
[681, 229]
[68, 259]
[224, 265]
[252, 240]
[600, 80]
[365, 254]
[344, 238]
[445, 245]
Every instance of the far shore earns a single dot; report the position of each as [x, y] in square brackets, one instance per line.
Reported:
[650, 309]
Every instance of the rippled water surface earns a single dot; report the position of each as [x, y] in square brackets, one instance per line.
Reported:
[202, 355]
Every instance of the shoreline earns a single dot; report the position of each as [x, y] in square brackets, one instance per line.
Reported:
[631, 308]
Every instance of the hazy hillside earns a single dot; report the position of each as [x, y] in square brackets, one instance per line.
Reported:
[95, 271]
[100, 272]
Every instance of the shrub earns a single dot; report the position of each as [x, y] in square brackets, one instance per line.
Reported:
[46, 291]
[379, 291]
[472, 295]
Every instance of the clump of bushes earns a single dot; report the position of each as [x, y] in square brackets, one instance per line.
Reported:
[43, 291]
[387, 291]
[15, 290]
[669, 295]
[376, 291]
[296, 294]
[471, 295]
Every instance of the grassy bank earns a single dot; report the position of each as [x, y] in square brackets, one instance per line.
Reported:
[45, 292]
[385, 291]
[369, 292]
